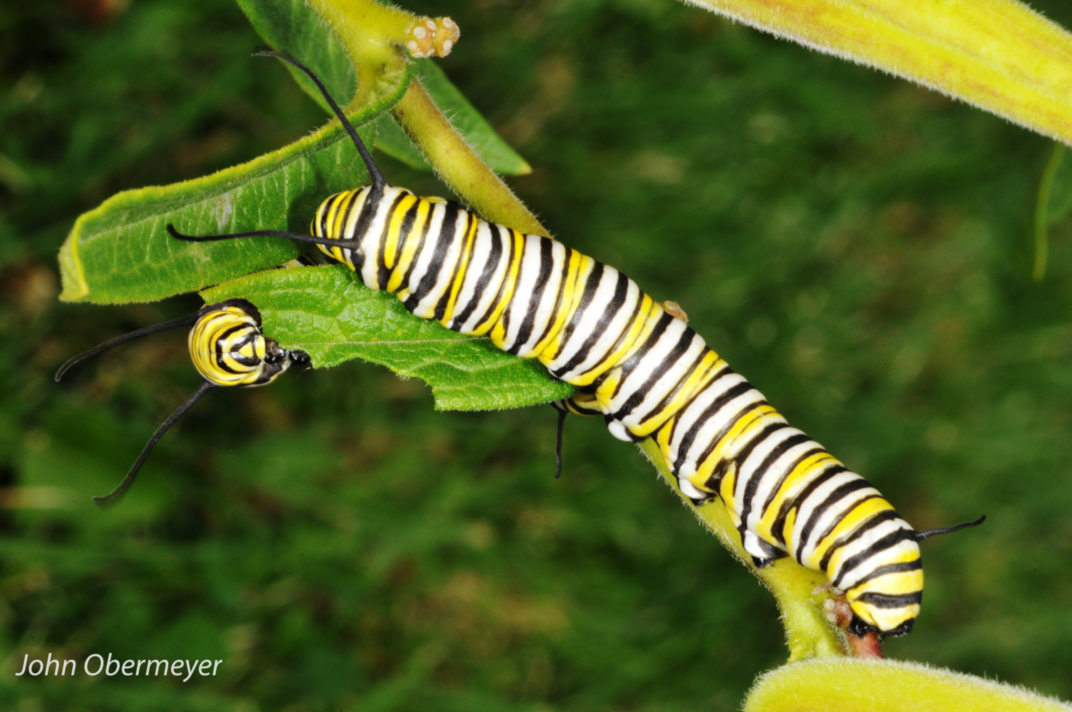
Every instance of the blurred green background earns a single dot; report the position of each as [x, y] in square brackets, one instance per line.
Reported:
[857, 246]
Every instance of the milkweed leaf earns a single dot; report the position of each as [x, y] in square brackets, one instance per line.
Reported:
[291, 26]
[327, 312]
[470, 123]
[120, 252]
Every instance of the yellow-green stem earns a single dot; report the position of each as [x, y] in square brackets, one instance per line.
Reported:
[458, 165]
[808, 634]
[999, 55]
[374, 36]
[854, 685]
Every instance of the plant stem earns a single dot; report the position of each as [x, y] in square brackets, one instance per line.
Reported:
[459, 166]
[808, 634]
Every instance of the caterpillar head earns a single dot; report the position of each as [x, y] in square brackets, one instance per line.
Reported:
[883, 584]
[227, 347]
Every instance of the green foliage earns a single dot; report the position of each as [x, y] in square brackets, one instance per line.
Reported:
[292, 27]
[469, 122]
[120, 252]
[328, 313]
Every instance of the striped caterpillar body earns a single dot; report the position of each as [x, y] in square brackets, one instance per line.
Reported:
[227, 348]
[643, 369]
[647, 373]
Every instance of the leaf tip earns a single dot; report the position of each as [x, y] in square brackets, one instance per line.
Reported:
[75, 287]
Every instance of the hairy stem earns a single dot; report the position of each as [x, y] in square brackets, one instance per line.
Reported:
[458, 165]
[808, 634]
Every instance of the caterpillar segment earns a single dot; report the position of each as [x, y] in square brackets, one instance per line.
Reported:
[640, 367]
[227, 347]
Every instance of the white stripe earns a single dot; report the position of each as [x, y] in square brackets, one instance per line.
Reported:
[833, 513]
[370, 241]
[715, 425]
[654, 356]
[491, 293]
[893, 555]
[526, 282]
[668, 382]
[478, 259]
[546, 308]
[589, 322]
[773, 474]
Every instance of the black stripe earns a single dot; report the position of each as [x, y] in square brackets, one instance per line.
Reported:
[420, 248]
[839, 521]
[852, 536]
[635, 360]
[559, 297]
[621, 291]
[684, 343]
[722, 370]
[788, 471]
[754, 480]
[659, 411]
[887, 542]
[383, 275]
[833, 498]
[322, 223]
[443, 242]
[721, 435]
[509, 240]
[890, 569]
[455, 274]
[790, 504]
[485, 278]
[886, 600]
[591, 286]
[742, 454]
[364, 219]
[547, 263]
[351, 199]
[708, 413]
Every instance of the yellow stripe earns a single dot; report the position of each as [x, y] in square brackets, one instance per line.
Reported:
[463, 259]
[410, 243]
[635, 335]
[498, 333]
[394, 232]
[755, 418]
[855, 517]
[568, 295]
[701, 375]
[208, 332]
[800, 472]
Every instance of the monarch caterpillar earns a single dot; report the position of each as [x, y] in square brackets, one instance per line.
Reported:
[227, 348]
[639, 366]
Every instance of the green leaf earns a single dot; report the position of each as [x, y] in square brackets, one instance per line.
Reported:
[392, 140]
[292, 27]
[498, 154]
[330, 314]
[120, 251]
[469, 122]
